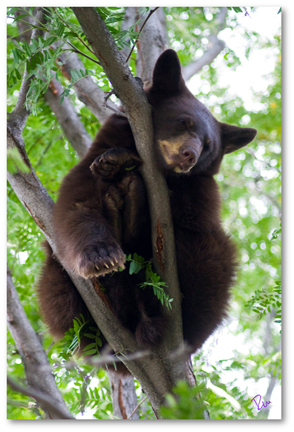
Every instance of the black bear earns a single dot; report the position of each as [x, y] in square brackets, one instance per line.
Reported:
[102, 214]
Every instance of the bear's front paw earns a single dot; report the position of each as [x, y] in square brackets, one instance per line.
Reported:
[114, 163]
[100, 259]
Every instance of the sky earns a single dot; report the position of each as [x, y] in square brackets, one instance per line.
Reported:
[254, 72]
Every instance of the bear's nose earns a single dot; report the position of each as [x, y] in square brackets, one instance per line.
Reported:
[188, 158]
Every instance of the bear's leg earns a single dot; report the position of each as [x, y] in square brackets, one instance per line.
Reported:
[135, 215]
[59, 300]
[152, 322]
[113, 204]
[138, 309]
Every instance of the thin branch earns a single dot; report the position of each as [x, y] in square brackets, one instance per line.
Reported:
[101, 361]
[42, 398]
[21, 404]
[211, 53]
[140, 403]
[149, 15]
[77, 51]
[105, 104]
[266, 195]
[86, 89]
[252, 152]
[152, 42]
[79, 38]
[116, 111]
[31, 351]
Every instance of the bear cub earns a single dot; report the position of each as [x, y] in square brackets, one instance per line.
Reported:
[102, 215]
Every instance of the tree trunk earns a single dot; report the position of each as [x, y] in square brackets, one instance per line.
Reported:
[159, 372]
[33, 356]
[124, 398]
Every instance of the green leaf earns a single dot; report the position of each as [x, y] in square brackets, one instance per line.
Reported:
[91, 345]
[90, 335]
[90, 352]
[20, 17]
[50, 41]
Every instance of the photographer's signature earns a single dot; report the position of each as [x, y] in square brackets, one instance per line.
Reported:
[259, 403]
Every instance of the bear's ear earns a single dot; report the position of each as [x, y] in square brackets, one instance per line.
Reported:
[233, 137]
[167, 75]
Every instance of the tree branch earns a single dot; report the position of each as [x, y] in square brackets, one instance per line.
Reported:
[20, 113]
[87, 91]
[33, 356]
[158, 376]
[72, 126]
[24, 25]
[47, 402]
[140, 31]
[29, 189]
[133, 412]
[216, 46]
[153, 376]
[151, 43]
[123, 394]
[139, 116]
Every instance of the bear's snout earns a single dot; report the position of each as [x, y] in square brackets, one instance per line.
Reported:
[187, 158]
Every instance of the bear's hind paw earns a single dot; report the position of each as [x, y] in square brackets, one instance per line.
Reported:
[100, 260]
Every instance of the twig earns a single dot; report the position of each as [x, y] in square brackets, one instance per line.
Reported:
[81, 53]
[270, 198]
[80, 39]
[19, 404]
[211, 53]
[122, 114]
[140, 403]
[40, 397]
[262, 161]
[50, 346]
[105, 104]
[98, 361]
[140, 31]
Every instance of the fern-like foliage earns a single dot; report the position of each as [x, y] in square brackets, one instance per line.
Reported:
[263, 302]
[41, 58]
[70, 344]
[152, 279]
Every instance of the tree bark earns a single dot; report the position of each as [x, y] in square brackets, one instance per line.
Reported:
[159, 372]
[87, 91]
[33, 357]
[73, 128]
[139, 116]
[152, 42]
[153, 375]
[124, 398]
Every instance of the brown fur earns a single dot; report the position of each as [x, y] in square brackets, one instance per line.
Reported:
[102, 214]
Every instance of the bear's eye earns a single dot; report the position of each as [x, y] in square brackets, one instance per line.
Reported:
[182, 122]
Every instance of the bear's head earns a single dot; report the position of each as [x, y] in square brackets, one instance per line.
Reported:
[188, 138]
